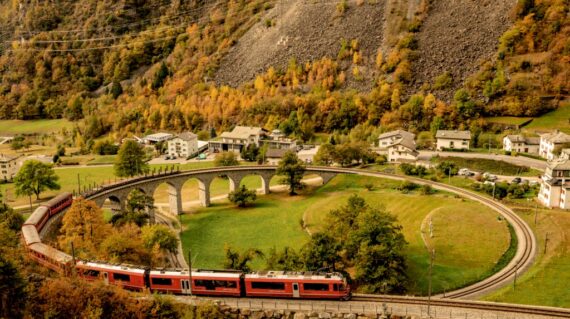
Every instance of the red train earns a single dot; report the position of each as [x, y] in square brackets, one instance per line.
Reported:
[275, 284]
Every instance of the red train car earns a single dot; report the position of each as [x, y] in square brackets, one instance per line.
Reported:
[50, 257]
[128, 277]
[38, 218]
[30, 235]
[306, 285]
[204, 282]
[59, 203]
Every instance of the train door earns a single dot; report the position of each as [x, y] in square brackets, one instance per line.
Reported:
[185, 286]
[106, 278]
[295, 290]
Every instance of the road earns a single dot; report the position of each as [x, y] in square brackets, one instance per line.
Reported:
[517, 160]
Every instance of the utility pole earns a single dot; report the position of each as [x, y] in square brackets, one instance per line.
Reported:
[449, 174]
[190, 270]
[515, 281]
[494, 185]
[535, 213]
[78, 184]
[545, 243]
[432, 257]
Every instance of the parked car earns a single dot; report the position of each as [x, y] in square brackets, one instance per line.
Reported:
[464, 172]
[489, 177]
[516, 180]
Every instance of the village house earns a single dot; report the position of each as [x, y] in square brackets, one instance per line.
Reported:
[399, 146]
[551, 143]
[389, 138]
[452, 140]
[242, 136]
[9, 167]
[555, 185]
[183, 146]
[521, 144]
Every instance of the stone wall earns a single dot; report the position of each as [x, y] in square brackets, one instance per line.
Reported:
[233, 313]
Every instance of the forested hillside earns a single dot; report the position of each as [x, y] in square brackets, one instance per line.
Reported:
[133, 66]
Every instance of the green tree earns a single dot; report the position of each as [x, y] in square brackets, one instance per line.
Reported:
[250, 152]
[116, 89]
[226, 159]
[242, 196]
[325, 155]
[447, 168]
[137, 206]
[131, 160]
[293, 168]
[160, 76]
[321, 252]
[159, 236]
[35, 177]
[12, 290]
[10, 218]
[287, 259]
[240, 261]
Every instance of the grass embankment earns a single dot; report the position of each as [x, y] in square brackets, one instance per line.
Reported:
[488, 165]
[14, 127]
[558, 119]
[546, 281]
[465, 252]
[509, 120]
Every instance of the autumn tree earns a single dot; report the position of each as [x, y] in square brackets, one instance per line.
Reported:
[35, 177]
[293, 169]
[84, 226]
[12, 290]
[159, 236]
[125, 245]
[242, 196]
[136, 209]
[325, 155]
[131, 160]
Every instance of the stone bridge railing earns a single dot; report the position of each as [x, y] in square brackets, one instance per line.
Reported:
[117, 193]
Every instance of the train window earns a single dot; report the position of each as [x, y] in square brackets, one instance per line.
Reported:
[314, 286]
[335, 287]
[161, 281]
[213, 284]
[91, 273]
[268, 285]
[121, 277]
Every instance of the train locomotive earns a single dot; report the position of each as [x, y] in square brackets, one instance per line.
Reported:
[274, 284]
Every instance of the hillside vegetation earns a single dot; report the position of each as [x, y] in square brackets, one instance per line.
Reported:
[134, 66]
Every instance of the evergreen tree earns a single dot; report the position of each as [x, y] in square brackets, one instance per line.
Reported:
[242, 196]
[160, 76]
[116, 89]
[131, 160]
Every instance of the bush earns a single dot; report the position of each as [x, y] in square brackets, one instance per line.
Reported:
[380, 159]
[413, 170]
[369, 186]
[242, 196]
[407, 186]
[427, 189]
[226, 159]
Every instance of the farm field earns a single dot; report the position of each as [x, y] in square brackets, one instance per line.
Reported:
[14, 127]
[274, 221]
[545, 283]
[555, 120]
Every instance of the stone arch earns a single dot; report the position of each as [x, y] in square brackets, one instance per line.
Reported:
[265, 179]
[116, 203]
[172, 192]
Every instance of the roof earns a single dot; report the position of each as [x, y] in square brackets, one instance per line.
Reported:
[560, 164]
[158, 136]
[402, 133]
[523, 139]
[187, 136]
[275, 153]
[197, 273]
[57, 199]
[51, 252]
[243, 132]
[30, 234]
[7, 158]
[294, 275]
[118, 267]
[556, 137]
[453, 135]
[36, 216]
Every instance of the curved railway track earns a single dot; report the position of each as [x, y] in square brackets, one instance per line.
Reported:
[526, 249]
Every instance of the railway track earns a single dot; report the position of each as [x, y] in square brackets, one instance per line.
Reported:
[173, 258]
[476, 305]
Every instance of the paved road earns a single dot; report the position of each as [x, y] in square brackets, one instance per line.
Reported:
[517, 160]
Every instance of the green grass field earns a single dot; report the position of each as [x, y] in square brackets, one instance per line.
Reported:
[546, 282]
[274, 221]
[509, 120]
[555, 120]
[33, 126]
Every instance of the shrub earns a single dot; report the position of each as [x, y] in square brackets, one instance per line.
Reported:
[369, 186]
[427, 189]
[443, 81]
[407, 186]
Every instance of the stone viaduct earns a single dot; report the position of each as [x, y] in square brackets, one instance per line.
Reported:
[117, 193]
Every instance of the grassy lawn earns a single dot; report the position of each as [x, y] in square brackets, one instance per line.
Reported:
[275, 222]
[491, 166]
[509, 120]
[546, 282]
[555, 120]
[33, 126]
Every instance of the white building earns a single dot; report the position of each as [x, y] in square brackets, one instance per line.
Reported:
[9, 167]
[403, 150]
[453, 139]
[273, 156]
[389, 138]
[242, 136]
[555, 185]
[183, 146]
[549, 142]
[521, 144]
[157, 138]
